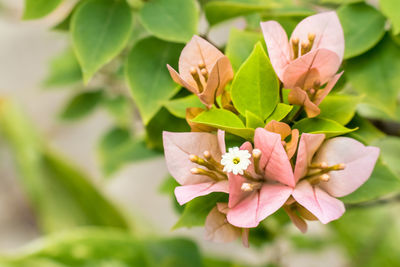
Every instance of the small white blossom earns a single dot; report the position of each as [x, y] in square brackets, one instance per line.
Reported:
[236, 160]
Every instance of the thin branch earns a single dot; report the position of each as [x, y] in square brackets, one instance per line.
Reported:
[373, 203]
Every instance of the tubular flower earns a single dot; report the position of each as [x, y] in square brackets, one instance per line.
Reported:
[324, 172]
[193, 160]
[264, 186]
[203, 70]
[309, 59]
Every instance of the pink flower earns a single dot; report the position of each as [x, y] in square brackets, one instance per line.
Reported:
[324, 172]
[309, 59]
[218, 229]
[265, 185]
[193, 160]
[203, 70]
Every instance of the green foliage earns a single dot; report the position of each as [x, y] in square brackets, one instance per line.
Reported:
[170, 20]
[281, 111]
[100, 29]
[148, 77]
[35, 9]
[340, 108]
[64, 70]
[178, 106]
[196, 211]
[390, 152]
[366, 133]
[320, 125]
[390, 8]
[240, 45]
[253, 121]
[375, 75]
[60, 194]
[363, 27]
[81, 105]
[255, 87]
[224, 120]
[118, 147]
[106, 247]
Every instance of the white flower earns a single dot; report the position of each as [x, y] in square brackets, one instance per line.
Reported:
[236, 160]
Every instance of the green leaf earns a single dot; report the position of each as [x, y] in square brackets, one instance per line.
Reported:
[224, 120]
[376, 76]
[100, 29]
[390, 152]
[319, 125]
[340, 2]
[240, 45]
[148, 77]
[280, 112]
[60, 194]
[118, 148]
[382, 182]
[170, 20]
[366, 133]
[178, 106]
[253, 121]
[340, 108]
[81, 105]
[220, 10]
[163, 121]
[256, 87]
[35, 9]
[120, 107]
[363, 27]
[196, 211]
[390, 8]
[64, 70]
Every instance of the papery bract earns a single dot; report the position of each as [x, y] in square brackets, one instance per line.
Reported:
[178, 147]
[203, 70]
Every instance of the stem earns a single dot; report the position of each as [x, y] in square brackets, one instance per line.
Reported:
[373, 203]
[280, 92]
[296, 115]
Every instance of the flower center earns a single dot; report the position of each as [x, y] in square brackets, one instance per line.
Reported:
[236, 160]
[319, 172]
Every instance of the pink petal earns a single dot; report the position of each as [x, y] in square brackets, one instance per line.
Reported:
[309, 144]
[278, 46]
[178, 79]
[236, 194]
[318, 202]
[327, 29]
[297, 221]
[218, 229]
[258, 205]
[221, 141]
[359, 160]
[178, 147]
[274, 159]
[321, 94]
[220, 75]
[249, 147]
[186, 193]
[322, 60]
[245, 237]
[195, 51]
[299, 97]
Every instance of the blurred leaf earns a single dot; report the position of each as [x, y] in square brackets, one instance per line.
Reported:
[366, 133]
[81, 105]
[225, 120]
[390, 152]
[382, 182]
[167, 187]
[340, 108]
[253, 121]
[64, 70]
[102, 247]
[280, 112]
[60, 194]
[118, 148]
[240, 45]
[148, 77]
[319, 125]
[120, 107]
[390, 8]
[100, 29]
[196, 211]
[170, 20]
[376, 76]
[178, 106]
[163, 121]
[248, 87]
[363, 27]
[339, 2]
[35, 9]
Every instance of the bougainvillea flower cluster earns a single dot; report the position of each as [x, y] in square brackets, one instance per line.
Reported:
[278, 167]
